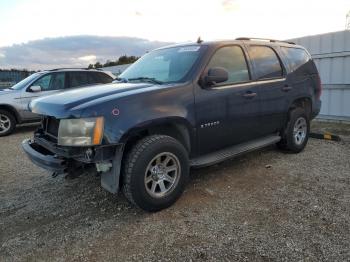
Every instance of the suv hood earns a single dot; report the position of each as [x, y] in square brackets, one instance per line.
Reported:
[69, 104]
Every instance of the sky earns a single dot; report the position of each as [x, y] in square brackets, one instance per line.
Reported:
[24, 22]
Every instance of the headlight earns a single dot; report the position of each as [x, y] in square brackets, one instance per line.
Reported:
[80, 132]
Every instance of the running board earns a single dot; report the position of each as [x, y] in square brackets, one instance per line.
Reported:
[233, 151]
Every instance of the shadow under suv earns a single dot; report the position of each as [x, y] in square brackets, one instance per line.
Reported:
[14, 101]
[177, 107]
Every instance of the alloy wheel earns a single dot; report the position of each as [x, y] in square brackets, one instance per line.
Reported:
[300, 130]
[162, 174]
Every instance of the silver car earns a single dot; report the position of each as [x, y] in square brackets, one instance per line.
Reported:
[14, 101]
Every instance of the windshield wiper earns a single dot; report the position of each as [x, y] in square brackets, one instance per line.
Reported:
[146, 79]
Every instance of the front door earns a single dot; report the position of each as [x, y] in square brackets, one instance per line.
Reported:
[49, 84]
[227, 113]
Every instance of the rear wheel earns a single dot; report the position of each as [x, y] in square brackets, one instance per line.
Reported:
[296, 133]
[7, 123]
[155, 172]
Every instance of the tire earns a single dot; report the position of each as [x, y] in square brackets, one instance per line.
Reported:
[7, 123]
[296, 133]
[155, 172]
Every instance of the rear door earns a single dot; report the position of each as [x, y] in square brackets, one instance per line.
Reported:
[227, 113]
[270, 77]
[78, 79]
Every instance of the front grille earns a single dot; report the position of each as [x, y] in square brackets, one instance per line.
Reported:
[51, 125]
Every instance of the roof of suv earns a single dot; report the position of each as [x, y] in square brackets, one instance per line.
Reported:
[73, 69]
[268, 42]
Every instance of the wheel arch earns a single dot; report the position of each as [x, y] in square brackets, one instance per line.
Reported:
[303, 102]
[12, 110]
[176, 127]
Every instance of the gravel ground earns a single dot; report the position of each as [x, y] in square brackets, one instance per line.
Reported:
[264, 206]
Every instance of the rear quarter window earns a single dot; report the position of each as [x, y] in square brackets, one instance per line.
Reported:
[103, 78]
[266, 63]
[296, 57]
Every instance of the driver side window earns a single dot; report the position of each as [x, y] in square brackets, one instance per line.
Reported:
[51, 82]
[232, 59]
[43, 82]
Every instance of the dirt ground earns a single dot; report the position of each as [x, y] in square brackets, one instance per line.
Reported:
[264, 206]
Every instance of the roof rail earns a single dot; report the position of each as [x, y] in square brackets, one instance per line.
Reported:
[63, 68]
[265, 39]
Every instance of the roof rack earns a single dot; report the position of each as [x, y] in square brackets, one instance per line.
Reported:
[63, 68]
[265, 39]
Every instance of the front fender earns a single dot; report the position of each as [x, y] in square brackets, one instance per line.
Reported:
[135, 112]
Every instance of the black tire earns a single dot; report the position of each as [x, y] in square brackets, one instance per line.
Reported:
[288, 141]
[8, 127]
[137, 161]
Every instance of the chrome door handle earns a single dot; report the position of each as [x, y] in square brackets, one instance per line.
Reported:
[249, 95]
[287, 88]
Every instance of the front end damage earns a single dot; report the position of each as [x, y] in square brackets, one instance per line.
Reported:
[44, 152]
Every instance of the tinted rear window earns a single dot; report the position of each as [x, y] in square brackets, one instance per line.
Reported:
[266, 62]
[296, 57]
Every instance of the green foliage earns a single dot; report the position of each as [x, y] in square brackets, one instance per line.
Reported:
[120, 61]
[97, 65]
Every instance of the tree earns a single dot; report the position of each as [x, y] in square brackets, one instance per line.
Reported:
[97, 65]
[122, 60]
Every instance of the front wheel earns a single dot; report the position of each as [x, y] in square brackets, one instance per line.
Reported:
[296, 133]
[156, 171]
[7, 123]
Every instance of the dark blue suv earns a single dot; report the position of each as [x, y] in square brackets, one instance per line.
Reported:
[181, 106]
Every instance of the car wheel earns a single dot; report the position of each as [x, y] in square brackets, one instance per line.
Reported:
[155, 172]
[296, 133]
[7, 123]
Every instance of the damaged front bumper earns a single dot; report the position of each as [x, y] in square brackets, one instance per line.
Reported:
[44, 158]
[60, 160]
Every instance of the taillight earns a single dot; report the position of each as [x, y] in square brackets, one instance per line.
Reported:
[318, 87]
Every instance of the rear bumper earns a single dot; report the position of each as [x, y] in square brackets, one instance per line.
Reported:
[43, 158]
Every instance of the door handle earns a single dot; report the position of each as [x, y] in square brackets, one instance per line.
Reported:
[249, 95]
[287, 88]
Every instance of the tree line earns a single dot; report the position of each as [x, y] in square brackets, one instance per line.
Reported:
[120, 61]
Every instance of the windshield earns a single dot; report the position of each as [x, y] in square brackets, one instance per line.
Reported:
[163, 65]
[25, 81]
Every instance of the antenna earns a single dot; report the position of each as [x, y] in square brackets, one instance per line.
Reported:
[199, 40]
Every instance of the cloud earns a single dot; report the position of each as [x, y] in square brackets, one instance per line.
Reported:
[138, 13]
[230, 5]
[72, 51]
[88, 58]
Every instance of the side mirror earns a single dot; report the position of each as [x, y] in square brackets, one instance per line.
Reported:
[216, 75]
[35, 89]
